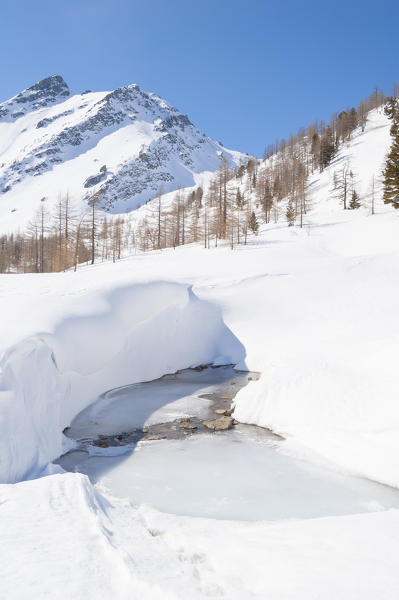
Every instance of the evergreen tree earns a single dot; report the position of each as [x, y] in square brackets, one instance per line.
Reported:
[315, 149]
[352, 120]
[266, 200]
[253, 223]
[290, 213]
[327, 148]
[355, 200]
[239, 199]
[391, 171]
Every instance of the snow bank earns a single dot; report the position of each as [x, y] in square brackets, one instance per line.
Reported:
[330, 326]
[353, 557]
[143, 332]
[64, 540]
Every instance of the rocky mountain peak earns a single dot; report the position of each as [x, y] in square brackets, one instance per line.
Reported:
[39, 95]
[43, 92]
[122, 145]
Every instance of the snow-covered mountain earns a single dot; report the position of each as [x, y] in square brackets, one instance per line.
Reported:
[124, 144]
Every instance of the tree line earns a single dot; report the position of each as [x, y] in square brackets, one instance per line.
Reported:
[228, 211]
[391, 171]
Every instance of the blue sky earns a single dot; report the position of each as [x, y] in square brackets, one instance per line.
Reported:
[244, 72]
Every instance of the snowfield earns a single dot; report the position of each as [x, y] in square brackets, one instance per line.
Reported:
[314, 310]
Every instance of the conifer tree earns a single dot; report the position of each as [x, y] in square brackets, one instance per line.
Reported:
[327, 148]
[290, 213]
[391, 171]
[355, 200]
[239, 199]
[253, 223]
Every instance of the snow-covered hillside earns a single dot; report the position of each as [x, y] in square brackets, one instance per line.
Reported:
[125, 144]
[313, 309]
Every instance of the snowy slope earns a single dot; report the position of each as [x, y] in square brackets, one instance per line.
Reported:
[125, 144]
[315, 310]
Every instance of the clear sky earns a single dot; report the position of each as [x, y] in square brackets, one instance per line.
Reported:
[245, 72]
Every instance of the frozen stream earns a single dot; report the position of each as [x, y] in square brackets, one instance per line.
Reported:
[242, 473]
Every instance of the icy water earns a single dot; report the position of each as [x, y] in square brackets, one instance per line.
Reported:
[240, 474]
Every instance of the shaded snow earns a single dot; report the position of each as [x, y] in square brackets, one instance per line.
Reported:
[48, 378]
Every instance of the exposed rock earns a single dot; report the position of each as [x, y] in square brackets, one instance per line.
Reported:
[44, 92]
[41, 94]
[100, 443]
[94, 179]
[181, 121]
[153, 436]
[220, 424]
[48, 120]
[220, 411]
[186, 424]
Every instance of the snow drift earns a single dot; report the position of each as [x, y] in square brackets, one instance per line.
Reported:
[143, 332]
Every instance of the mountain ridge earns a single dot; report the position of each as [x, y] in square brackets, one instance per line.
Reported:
[122, 145]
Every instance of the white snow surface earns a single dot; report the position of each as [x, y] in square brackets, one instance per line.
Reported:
[64, 540]
[314, 310]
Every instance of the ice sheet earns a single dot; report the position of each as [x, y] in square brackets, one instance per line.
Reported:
[238, 474]
[159, 401]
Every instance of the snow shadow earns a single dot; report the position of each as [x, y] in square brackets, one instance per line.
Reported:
[133, 334]
[119, 415]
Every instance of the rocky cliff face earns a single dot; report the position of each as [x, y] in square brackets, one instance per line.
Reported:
[122, 145]
[39, 95]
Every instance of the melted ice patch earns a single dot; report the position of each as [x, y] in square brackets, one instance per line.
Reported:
[238, 474]
[159, 401]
